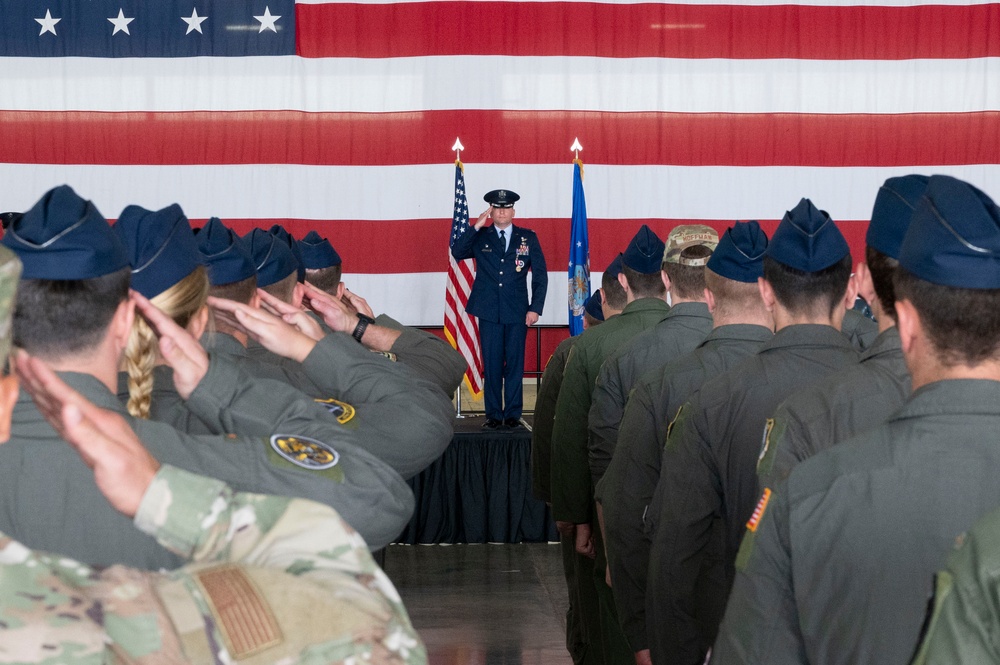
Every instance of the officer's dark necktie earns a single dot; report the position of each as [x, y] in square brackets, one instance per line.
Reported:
[503, 242]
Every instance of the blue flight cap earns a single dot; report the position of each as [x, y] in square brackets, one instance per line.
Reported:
[223, 253]
[160, 245]
[317, 252]
[501, 198]
[279, 232]
[740, 253]
[807, 239]
[272, 258]
[594, 307]
[615, 267]
[644, 253]
[65, 237]
[954, 236]
[894, 205]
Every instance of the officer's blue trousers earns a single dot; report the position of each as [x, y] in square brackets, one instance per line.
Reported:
[503, 367]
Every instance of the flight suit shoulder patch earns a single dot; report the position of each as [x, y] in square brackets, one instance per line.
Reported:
[343, 411]
[765, 441]
[758, 512]
[305, 452]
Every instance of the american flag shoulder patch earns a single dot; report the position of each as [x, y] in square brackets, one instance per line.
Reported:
[758, 512]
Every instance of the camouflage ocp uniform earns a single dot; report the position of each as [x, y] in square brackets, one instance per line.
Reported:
[270, 579]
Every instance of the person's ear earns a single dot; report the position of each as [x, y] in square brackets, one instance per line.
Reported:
[851, 294]
[196, 326]
[665, 278]
[623, 281]
[766, 293]
[9, 388]
[908, 324]
[339, 291]
[710, 300]
[255, 300]
[121, 323]
[298, 291]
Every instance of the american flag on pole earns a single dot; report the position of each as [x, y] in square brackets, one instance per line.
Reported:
[331, 115]
[460, 328]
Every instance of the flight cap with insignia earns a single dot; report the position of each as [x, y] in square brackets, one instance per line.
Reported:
[615, 267]
[224, 254]
[689, 235]
[161, 247]
[317, 252]
[894, 205]
[65, 237]
[644, 253]
[279, 232]
[501, 198]
[740, 254]
[954, 236]
[594, 307]
[10, 273]
[272, 258]
[807, 239]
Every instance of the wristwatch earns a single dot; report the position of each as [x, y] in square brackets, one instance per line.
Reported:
[359, 330]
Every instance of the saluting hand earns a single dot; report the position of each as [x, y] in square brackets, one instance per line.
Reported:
[271, 332]
[123, 468]
[179, 348]
[335, 313]
[292, 315]
[483, 216]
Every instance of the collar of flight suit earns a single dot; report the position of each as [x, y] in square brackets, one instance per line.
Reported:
[953, 396]
[808, 334]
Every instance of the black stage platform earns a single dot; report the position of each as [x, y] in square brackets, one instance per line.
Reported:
[479, 491]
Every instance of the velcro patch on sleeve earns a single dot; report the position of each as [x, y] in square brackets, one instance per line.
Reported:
[758, 512]
[305, 452]
[242, 614]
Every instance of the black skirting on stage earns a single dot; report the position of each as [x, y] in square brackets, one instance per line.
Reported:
[479, 491]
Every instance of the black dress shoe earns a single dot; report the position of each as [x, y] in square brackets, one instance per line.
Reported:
[512, 423]
[492, 423]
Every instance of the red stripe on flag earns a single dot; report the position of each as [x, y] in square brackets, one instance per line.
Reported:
[647, 30]
[379, 139]
[353, 239]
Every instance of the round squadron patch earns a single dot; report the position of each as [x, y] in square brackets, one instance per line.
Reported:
[305, 452]
[343, 411]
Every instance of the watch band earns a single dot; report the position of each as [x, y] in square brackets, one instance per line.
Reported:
[359, 330]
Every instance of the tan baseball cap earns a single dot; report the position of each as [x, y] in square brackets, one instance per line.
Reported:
[10, 272]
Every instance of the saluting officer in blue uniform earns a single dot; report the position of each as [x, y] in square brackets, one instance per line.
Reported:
[504, 254]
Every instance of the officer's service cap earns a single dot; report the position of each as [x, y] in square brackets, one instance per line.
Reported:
[644, 253]
[807, 239]
[689, 235]
[279, 232]
[894, 205]
[740, 254]
[954, 236]
[161, 247]
[594, 307]
[615, 267]
[10, 273]
[271, 257]
[317, 252]
[65, 237]
[224, 254]
[501, 198]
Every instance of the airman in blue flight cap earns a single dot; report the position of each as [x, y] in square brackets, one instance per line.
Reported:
[161, 247]
[225, 255]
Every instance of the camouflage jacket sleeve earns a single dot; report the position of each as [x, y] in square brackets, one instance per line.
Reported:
[204, 520]
[605, 416]
[572, 492]
[429, 355]
[407, 425]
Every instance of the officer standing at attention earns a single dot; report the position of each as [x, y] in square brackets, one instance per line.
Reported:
[709, 466]
[863, 526]
[861, 396]
[504, 254]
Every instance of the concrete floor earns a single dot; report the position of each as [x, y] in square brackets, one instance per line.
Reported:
[484, 604]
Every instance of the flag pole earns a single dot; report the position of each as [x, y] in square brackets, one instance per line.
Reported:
[579, 248]
[458, 148]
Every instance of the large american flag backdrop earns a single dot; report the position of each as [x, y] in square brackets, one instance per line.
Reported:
[341, 116]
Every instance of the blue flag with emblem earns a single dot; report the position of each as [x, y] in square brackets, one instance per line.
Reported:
[579, 254]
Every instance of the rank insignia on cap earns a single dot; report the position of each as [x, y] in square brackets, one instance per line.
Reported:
[305, 452]
[758, 512]
[342, 410]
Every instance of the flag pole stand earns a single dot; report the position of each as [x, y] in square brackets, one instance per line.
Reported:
[458, 404]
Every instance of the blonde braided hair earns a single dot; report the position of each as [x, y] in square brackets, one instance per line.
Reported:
[181, 302]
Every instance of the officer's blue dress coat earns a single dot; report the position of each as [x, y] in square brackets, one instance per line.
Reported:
[500, 299]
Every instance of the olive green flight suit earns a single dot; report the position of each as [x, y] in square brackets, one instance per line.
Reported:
[709, 470]
[853, 400]
[840, 561]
